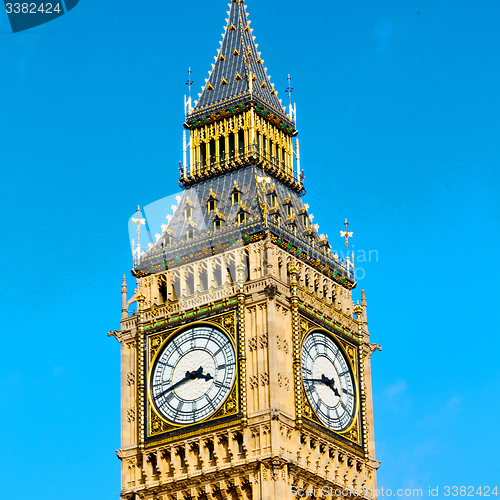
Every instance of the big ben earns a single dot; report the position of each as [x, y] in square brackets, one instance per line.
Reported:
[245, 372]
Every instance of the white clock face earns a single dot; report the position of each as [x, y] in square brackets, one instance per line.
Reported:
[192, 375]
[328, 381]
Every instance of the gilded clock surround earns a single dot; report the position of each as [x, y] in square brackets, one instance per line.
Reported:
[351, 353]
[156, 424]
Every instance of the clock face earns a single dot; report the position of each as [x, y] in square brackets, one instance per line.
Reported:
[192, 375]
[328, 381]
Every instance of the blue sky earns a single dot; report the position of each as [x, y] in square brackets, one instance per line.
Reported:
[398, 112]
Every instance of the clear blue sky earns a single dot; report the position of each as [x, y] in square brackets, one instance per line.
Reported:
[399, 119]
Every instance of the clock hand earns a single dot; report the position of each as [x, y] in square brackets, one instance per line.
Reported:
[330, 383]
[198, 374]
[189, 376]
[325, 380]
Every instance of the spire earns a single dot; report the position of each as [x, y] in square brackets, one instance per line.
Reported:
[124, 297]
[238, 72]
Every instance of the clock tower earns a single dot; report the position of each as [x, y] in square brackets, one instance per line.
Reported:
[245, 372]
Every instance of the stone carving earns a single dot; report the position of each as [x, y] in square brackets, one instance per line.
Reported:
[131, 414]
[253, 381]
[130, 378]
[252, 343]
[263, 340]
[283, 381]
[282, 344]
[271, 291]
[264, 378]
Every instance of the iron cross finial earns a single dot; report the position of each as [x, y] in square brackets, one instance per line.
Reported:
[346, 234]
[289, 91]
[138, 220]
[189, 82]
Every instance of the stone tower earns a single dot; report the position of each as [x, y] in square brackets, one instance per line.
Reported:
[245, 373]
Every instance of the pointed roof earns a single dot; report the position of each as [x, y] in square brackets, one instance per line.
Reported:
[232, 233]
[236, 60]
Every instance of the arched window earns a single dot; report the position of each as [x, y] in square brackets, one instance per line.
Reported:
[231, 146]
[241, 142]
[212, 152]
[222, 149]
[217, 276]
[272, 200]
[203, 155]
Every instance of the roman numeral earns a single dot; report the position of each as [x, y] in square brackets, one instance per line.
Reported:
[345, 391]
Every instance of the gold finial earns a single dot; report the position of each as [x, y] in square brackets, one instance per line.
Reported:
[262, 181]
[346, 234]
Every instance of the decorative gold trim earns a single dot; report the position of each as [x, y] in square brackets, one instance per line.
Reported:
[242, 352]
[225, 322]
[296, 347]
[350, 352]
[363, 400]
[140, 370]
[206, 429]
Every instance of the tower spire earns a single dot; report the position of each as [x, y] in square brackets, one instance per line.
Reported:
[238, 72]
